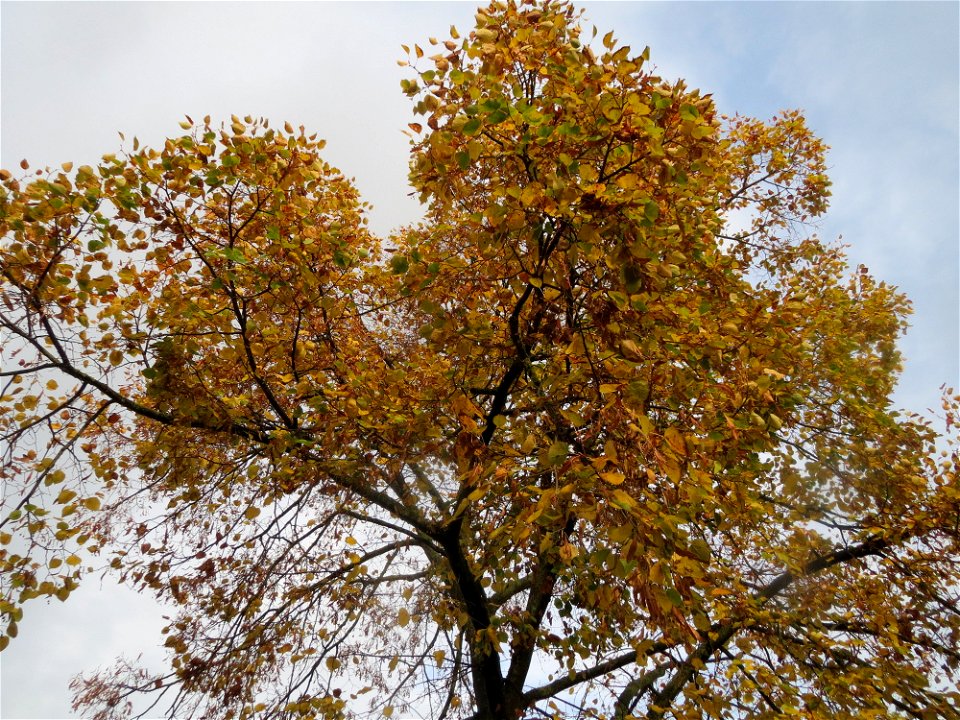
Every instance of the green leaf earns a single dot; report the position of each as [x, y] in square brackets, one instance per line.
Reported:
[675, 598]
[557, 452]
[235, 255]
[701, 550]
[497, 116]
[619, 299]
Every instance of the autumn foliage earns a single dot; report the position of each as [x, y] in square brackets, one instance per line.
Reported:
[607, 435]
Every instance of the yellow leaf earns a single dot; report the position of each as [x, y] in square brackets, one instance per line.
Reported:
[623, 500]
[646, 424]
[251, 512]
[529, 444]
[676, 442]
[613, 477]
[403, 617]
[672, 468]
[65, 496]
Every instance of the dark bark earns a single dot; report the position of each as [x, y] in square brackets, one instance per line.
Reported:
[488, 683]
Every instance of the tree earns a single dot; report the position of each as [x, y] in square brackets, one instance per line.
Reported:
[584, 443]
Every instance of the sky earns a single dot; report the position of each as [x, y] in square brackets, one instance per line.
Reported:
[878, 81]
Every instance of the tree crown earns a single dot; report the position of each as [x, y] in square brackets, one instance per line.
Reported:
[608, 434]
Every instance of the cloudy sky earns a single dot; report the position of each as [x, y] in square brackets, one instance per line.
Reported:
[878, 81]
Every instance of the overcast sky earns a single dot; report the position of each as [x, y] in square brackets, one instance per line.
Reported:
[878, 81]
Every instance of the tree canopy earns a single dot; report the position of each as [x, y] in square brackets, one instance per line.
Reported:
[607, 435]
